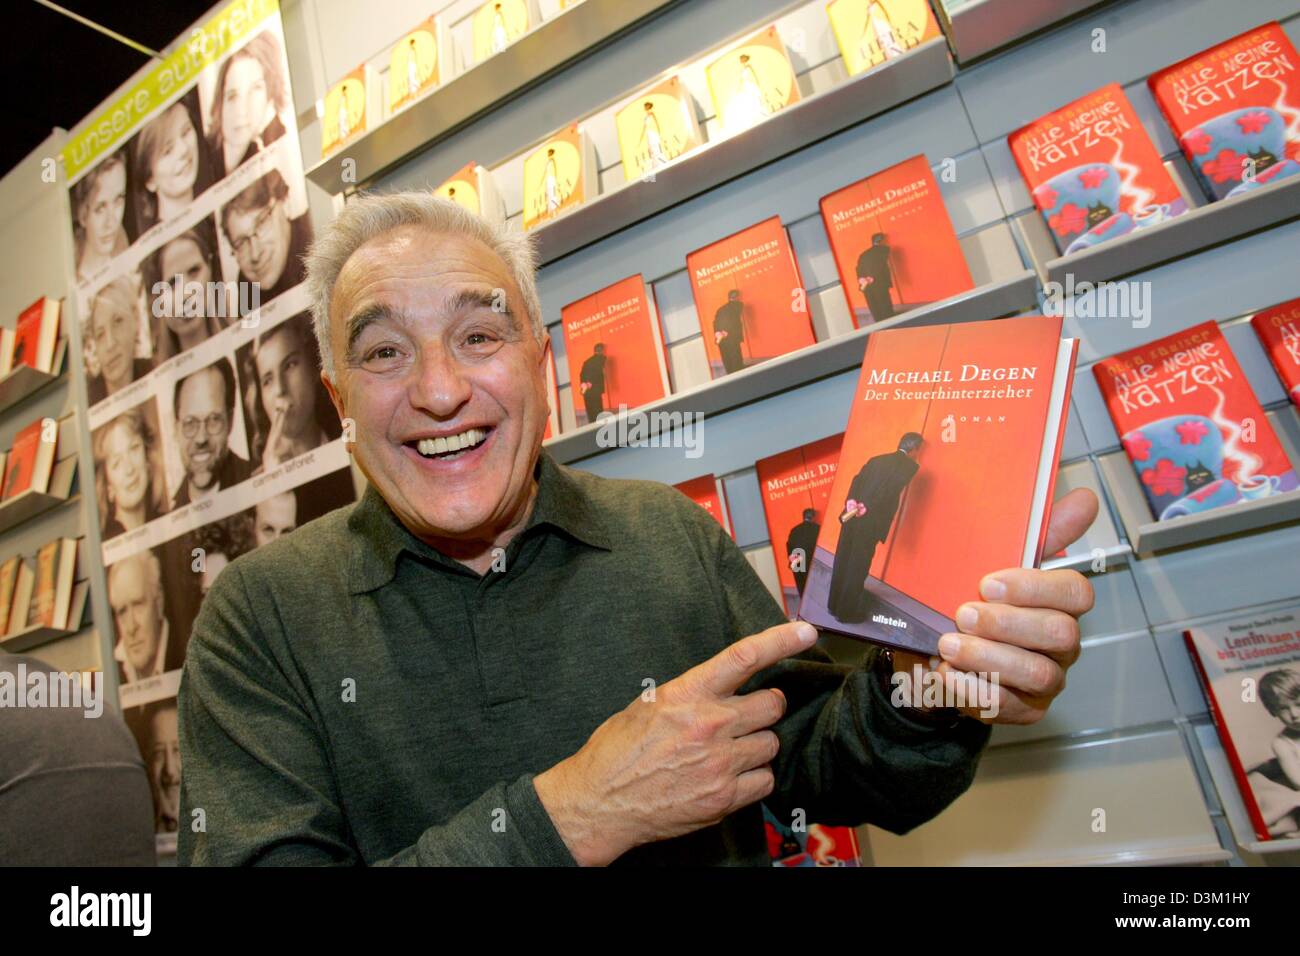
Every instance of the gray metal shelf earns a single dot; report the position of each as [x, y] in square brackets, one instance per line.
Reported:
[482, 88]
[925, 68]
[983, 26]
[1193, 231]
[25, 381]
[838, 354]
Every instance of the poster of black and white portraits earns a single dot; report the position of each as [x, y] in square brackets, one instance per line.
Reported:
[211, 433]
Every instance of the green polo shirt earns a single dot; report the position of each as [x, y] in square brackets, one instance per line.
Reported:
[351, 695]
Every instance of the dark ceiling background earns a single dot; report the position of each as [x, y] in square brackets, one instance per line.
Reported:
[58, 70]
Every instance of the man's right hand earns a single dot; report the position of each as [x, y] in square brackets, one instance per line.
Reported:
[690, 757]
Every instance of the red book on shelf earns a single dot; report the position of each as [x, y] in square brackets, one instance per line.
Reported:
[36, 335]
[552, 398]
[1093, 172]
[1191, 425]
[707, 492]
[946, 474]
[894, 245]
[796, 485]
[1278, 329]
[1259, 732]
[30, 461]
[749, 297]
[1235, 109]
[615, 350]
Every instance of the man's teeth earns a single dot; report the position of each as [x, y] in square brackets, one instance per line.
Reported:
[451, 443]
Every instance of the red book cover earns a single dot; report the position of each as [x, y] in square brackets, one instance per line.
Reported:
[552, 398]
[615, 350]
[1235, 109]
[1191, 425]
[796, 485]
[814, 845]
[1278, 329]
[944, 475]
[35, 335]
[894, 245]
[707, 492]
[1093, 171]
[20, 465]
[749, 298]
[1260, 732]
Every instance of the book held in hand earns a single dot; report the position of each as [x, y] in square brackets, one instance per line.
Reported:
[749, 298]
[615, 350]
[871, 32]
[751, 81]
[1278, 329]
[1249, 667]
[796, 485]
[707, 492]
[1235, 109]
[945, 475]
[893, 243]
[1093, 172]
[1191, 425]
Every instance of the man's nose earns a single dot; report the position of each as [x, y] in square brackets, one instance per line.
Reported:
[439, 385]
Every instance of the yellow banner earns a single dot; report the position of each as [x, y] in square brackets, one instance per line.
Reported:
[206, 44]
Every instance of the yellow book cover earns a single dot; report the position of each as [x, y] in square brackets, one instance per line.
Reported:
[554, 175]
[413, 65]
[752, 81]
[655, 127]
[8, 578]
[41, 612]
[498, 24]
[462, 189]
[870, 32]
[344, 115]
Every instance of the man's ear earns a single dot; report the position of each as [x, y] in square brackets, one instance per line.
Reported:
[336, 397]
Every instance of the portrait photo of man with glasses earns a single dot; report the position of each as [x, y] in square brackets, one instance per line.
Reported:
[267, 241]
[204, 406]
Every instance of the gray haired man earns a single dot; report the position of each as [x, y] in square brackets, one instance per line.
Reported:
[495, 659]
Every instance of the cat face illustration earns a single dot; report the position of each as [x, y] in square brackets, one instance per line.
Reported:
[1099, 213]
[1198, 476]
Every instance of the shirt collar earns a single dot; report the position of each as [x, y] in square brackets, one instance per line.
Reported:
[379, 537]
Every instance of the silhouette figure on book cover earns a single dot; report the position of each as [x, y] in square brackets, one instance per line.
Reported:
[875, 279]
[799, 547]
[729, 331]
[592, 382]
[868, 514]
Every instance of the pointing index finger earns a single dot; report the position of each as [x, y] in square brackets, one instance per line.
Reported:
[723, 674]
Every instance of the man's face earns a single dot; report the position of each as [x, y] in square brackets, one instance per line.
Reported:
[114, 326]
[430, 357]
[275, 517]
[285, 377]
[165, 768]
[203, 427]
[137, 612]
[261, 240]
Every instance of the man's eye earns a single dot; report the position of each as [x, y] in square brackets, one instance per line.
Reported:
[478, 338]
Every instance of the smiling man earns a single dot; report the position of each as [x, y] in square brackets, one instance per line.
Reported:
[495, 659]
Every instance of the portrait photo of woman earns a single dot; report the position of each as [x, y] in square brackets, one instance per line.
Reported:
[187, 304]
[251, 93]
[169, 163]
[98, 215]
[128, 471]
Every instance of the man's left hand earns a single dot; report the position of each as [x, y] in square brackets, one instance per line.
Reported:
[1026, 630]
